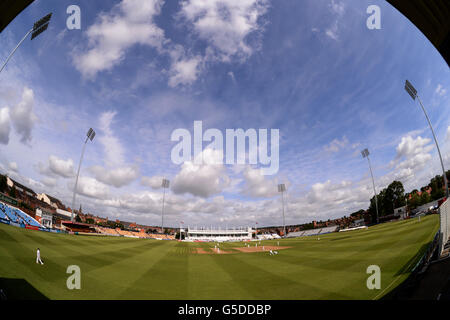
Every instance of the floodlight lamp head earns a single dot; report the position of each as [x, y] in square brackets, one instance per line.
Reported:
[91, 134]
[411, 90]
[42, 21]
[165, 183]
[40, 26]
[39, 31]
[365, 153]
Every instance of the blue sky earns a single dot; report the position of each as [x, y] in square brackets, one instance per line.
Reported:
[135, 73]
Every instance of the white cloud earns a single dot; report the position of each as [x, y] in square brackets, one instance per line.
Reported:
[440, 90]
[60, 36]
[154, 182]
[338, 10]
[409, 146]
[337, 7]
[413, 155]
[90, 187]
[141, 202]
[114, 151]
[404, 174]
[415, 162]
[117, 173]
[336, 145]
[49, 182]
[57, 167]
[22, 115]
[31, 183]
[129, 23]
[5, 127]
[258, 185]
[231, 74]
[325, 199]
[332, 32]
[224, 25]
[13, 166]
[118, 177]
[60, 167]
[184, 71]
[202, 180]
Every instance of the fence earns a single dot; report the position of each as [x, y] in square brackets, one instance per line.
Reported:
[444, 213]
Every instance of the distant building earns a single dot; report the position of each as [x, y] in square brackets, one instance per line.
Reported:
[44, 217]
[64, 213]
[55, 203]
[237, 234]
[401, 211]
[358, 223]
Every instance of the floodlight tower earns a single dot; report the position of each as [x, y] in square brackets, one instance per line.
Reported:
[282, 189]
[89, 136]
[164, 185]
[38, 27]
[413, 93]
[365, 154]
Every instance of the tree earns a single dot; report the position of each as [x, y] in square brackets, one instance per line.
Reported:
[77, 218]
[3, 183]
[424, 198]
[437, 187]
[111, 224]
[415, 201]
[119, 225]
[383, 203]
[397, 193]
[177, 236]
[356, 214]
[388, 199]
[306, 226]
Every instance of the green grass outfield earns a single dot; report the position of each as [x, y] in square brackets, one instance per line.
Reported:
[333, 267]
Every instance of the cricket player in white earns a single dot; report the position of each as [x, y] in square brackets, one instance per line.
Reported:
[38, 256]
